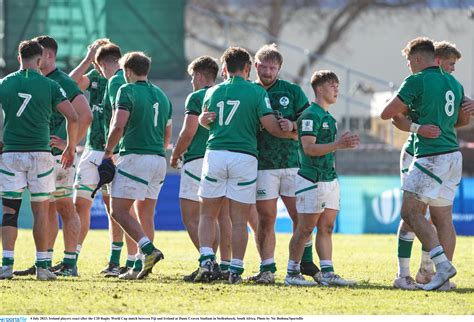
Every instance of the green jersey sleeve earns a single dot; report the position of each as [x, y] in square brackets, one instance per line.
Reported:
[263, 104]
[124, 98]
[310, 125]
[114, 86]
[411, 89]
[193, 104]
[58, 94]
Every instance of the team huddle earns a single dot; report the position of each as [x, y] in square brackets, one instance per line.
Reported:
[243, 145]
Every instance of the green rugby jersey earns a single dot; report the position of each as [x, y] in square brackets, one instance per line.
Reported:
[110, 94]
[58, 122]
[317, 122]
[436, 97]
[28, 100]
[287, 101]
[150, 111]
[238, 105]
[193, 106]
[95, 139]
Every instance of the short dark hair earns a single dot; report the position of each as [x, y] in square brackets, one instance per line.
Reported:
[137, 61]
[323, 76]
[446, 50]
[108, 52]
[420, 45]
[47, 42]
[29, 49]
[236, 58]
[206, 65]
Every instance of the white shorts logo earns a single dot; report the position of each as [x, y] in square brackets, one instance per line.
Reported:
[307, 125]
[284, 101]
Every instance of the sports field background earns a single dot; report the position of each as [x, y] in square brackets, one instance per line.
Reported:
[370, 259]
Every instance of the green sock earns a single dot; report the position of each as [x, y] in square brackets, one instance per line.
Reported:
[138, 265]
[326, 266]
[204, 258]
[70, 259]
[308, 253]
[130, 261]
[147, 248]
[224, 265]
[116, 250]
[269, 267]
[404, 248]
[49, 261]
[7, 259]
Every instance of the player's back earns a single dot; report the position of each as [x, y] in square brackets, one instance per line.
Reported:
[150, 110]
[439, 104]
[28, 100]
[238, 105]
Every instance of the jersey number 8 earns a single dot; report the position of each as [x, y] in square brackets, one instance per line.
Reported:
[449, 106]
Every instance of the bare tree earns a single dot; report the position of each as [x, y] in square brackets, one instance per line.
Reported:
[271, 16]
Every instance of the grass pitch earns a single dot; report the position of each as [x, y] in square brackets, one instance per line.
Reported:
[370, 259]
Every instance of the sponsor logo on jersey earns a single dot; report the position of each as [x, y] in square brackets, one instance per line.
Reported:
[63, 92]
[307, 125]
[325, 125]
[97, 108]
[284, 101]
[94, 85]
[387, 206]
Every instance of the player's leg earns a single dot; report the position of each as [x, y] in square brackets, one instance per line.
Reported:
[190, 217]
[135, 182]
[53, 230]
[41, 183]
[267, 211]
[304, 228]
[11, 208]
[212, 190]
[253, 225]
[288, 189]
[225, 242]
[132, 262]
[116, 242]
[405, 237]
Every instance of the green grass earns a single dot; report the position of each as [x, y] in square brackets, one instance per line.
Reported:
[371, 259]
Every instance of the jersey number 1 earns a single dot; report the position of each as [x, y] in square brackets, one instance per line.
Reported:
[155, 107]
[220, 105]
[27, 98]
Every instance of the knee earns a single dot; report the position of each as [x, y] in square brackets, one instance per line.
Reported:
[326, 229]
[11, 209]
[266, 222]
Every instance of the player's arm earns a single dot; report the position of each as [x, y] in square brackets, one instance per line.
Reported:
[72, 126]
[118, 123]
[402, 123]
[272, 125]
[206, 117]
[467, 110]
[78, 73]
[189, 129]
[168, 133]
[393, 107]
[312, 148]
[81, 106]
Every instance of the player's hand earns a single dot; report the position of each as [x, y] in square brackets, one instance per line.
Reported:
[175, 161]
[348, 141]
[91, 51]
[57, 142]
[468, 106]
[67, 158]
[429, 131]
[206, 117]
[108, 154]
[286, 125]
